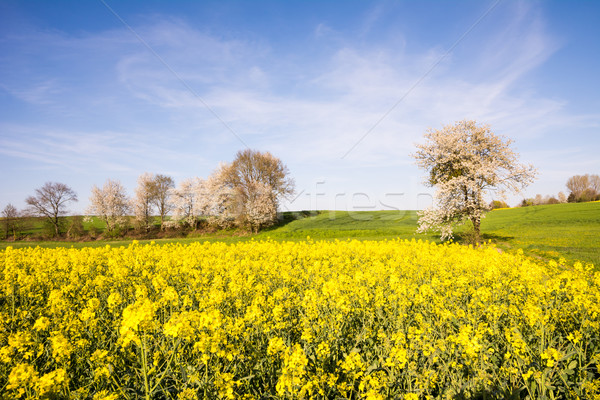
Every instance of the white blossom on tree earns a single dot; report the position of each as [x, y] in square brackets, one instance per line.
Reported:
[185, 201]
[215, 200]
[110, 203]
[251, 175]
[562, 198]
[465, 161]
[261, 210]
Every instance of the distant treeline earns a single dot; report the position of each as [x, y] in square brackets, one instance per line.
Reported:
[243, 195]
[582, 188]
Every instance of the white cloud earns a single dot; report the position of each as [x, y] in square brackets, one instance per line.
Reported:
[308, 114]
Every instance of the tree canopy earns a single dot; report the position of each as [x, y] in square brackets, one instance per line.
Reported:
[50, 201]
[259, 180]
[465, 161]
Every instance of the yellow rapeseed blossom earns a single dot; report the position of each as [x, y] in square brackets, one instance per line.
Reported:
[307, 319]
[61, 348]
[22, 378]
[52, 382]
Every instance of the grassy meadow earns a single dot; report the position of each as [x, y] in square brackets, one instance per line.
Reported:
[569, 230]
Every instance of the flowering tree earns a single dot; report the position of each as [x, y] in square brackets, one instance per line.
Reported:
[258, 178]
[562, 198]
[216, 200]
[185, 201]
[153, 193]
[110, 203]
[261, 210]
[464, 161]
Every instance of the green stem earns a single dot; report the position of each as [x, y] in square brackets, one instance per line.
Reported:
[161, 376]
[145, 368]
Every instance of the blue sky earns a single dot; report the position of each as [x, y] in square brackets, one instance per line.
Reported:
[340, 91]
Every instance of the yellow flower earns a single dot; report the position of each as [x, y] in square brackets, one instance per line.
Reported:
[105, 395]
[114, 300]
[41, 324]
[22, 378]
[397, 357]
[329, 317]
[551, 355]
[225, 385]
[276, 346]
[293, 371]
[187, 394]
[51, 382]
[527, 375]
[61, 348]
[136, 316]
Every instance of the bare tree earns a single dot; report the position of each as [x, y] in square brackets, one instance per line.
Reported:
[110, 203]
[583, 187]
[50, 201]
[595, 183]
[161, 195]
[253, 174]
[11, 218]
[578, 184]
[464, 161]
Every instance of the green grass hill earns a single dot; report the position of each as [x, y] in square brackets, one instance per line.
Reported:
[568, 230]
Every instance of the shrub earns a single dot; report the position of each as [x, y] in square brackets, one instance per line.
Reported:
[498, 204]
[75, 227]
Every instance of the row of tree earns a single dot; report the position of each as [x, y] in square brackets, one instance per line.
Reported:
[244, 193]
[582, 188]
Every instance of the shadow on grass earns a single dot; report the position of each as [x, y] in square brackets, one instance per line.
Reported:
[468, 237]
[496, 238]
[286, 217]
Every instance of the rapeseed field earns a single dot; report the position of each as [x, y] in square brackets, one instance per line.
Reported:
[286, 320]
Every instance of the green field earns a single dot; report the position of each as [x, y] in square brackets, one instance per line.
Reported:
[569, 230]
[550, 231]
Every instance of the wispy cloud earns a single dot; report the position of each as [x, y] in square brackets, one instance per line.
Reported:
[119, 108]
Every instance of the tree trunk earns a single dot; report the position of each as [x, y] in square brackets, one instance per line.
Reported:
[476, 229]
[55, 222]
